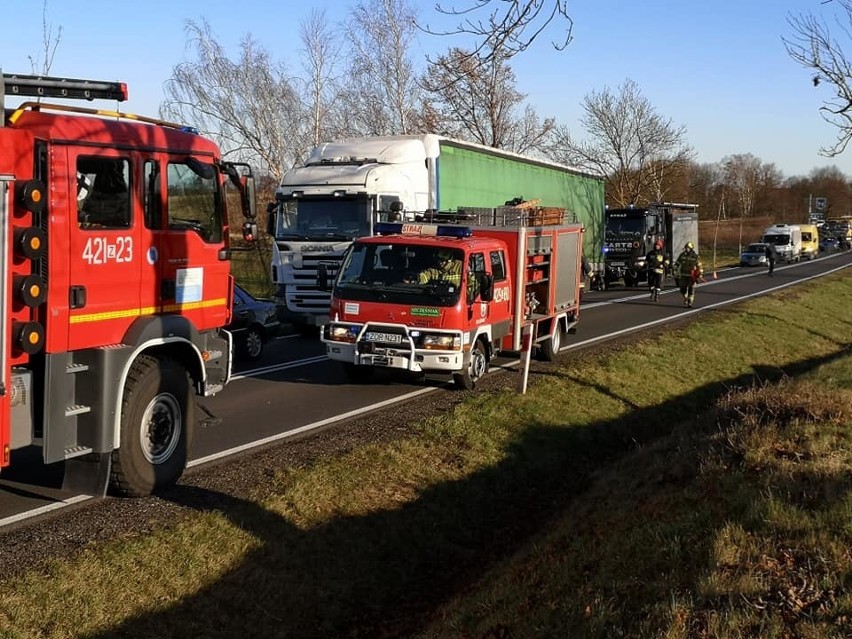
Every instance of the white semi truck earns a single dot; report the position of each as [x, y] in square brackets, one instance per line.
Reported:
[345, 188]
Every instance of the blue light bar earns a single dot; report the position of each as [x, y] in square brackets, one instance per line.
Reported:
[396, 228]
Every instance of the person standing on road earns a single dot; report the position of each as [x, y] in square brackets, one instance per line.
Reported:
[655, 262]
[687, 271]
[771, 257]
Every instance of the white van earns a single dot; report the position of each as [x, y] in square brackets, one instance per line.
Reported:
[787, 239]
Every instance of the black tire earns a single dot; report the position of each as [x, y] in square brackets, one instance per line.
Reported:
[157, 427]
[252, 343]
[629, 281]
[475, 370]
[358, 374]
[549, 348]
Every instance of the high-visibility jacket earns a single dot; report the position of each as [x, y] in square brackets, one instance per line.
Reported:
[451, 273]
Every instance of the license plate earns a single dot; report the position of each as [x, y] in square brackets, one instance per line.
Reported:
[617, 263]
[391, 338]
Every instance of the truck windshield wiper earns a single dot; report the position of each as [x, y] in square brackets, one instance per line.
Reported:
[292, 236]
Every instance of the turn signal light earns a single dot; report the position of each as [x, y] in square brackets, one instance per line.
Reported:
[31, 289]
[31, 195]
[30, 242]
[28, 336]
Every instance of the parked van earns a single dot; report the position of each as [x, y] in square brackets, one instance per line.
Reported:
[787, 239]
[810, 241]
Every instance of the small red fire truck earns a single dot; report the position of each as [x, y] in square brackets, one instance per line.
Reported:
[115, 284]
[447, 298]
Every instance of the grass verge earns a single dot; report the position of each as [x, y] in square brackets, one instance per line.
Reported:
[648, 490]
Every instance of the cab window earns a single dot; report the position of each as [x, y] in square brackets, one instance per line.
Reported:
[194, 200]
[498, 265]
[152, 203]
[476, 266]
[103, 193]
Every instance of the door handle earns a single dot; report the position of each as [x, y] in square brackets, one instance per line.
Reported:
[77, 297]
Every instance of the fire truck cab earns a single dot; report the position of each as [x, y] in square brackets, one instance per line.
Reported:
[114, 284]
[397, 304]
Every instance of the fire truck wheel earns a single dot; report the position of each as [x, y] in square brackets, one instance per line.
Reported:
[550, 347]
[476, 369]
[358, 374]
[157, 424]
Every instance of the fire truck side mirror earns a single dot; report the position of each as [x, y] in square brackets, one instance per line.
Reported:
[322, 277]
[486, 287]
[270, 218]
[249, 196]
[249, 231]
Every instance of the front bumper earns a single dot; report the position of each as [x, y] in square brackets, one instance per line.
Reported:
[369, 349]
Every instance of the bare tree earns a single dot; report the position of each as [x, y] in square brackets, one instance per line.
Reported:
[249, 106]
[509, 26]
[628, 142]
[382, 90]
[814, 47]
[479, 102]
[49, 45]
[320, 57]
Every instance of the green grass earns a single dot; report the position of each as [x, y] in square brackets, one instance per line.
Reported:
[691, 484]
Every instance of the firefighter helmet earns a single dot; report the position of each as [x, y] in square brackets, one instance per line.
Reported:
[658, 245]
[690, 246]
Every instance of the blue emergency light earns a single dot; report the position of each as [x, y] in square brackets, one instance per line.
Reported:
[404, 228]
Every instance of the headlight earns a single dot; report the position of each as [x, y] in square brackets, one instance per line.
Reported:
[441, 342]
[342, 333]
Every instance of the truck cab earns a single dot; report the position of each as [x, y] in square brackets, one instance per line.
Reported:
[787, 239]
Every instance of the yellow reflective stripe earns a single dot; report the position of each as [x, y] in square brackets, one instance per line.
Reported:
[143, 311]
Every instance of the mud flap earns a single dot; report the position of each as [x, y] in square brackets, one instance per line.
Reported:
[87, 474]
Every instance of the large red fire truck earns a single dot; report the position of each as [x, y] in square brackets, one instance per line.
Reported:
[393, 308]
[115, 284]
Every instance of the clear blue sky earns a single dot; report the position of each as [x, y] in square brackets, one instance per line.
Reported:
[718, 68]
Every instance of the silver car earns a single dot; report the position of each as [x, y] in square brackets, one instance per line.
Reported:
[754, 255]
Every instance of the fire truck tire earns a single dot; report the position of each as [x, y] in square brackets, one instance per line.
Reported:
[358, 374]
[550, 347]
[157, 426]
[476, 368]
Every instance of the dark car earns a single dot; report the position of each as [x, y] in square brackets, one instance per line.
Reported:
[754, 255]
[253, 323]
[829, 244]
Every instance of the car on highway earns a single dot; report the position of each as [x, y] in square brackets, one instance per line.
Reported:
[254, 322]
[829, 244]
[754, 255]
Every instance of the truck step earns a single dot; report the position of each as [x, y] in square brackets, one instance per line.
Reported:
[76, 451]
[76, 409]
[73, 368]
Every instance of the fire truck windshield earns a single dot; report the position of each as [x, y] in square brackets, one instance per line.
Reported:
[401, 274]
[323, 219]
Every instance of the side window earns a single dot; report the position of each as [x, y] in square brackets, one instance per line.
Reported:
[103, 193]
[152, 201]
[475, 266]
[194, 200]
[498, 265]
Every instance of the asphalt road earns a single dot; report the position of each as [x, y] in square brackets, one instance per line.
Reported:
[294, 390]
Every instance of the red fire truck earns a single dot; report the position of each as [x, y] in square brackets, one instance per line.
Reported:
[115, 282]
[396, 304]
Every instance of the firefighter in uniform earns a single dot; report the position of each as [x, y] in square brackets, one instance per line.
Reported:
[656, 264]
[447, 268]
[687, 271]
